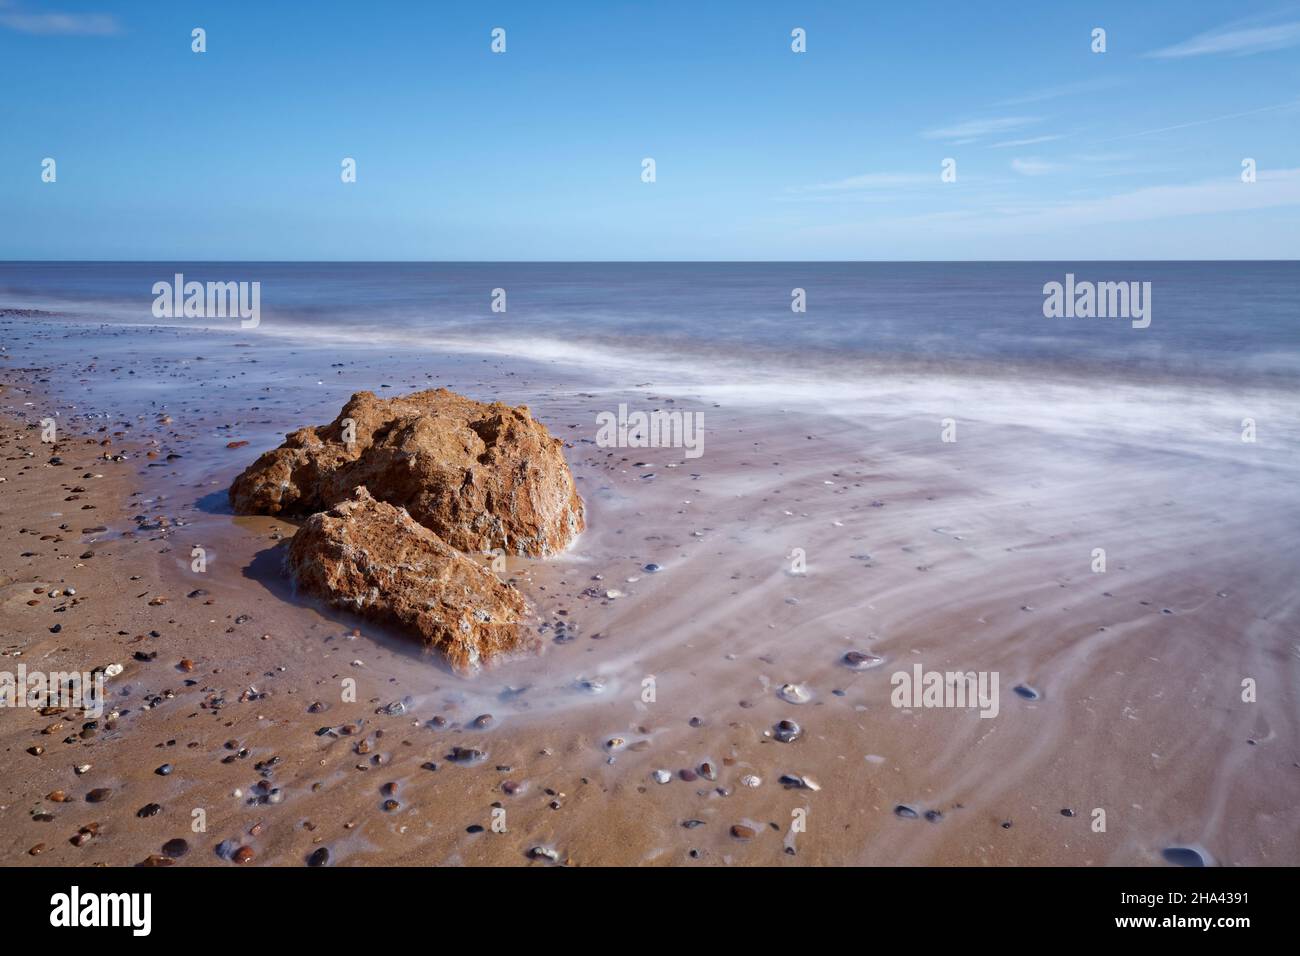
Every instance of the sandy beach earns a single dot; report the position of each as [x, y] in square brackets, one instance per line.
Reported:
[1120, 691]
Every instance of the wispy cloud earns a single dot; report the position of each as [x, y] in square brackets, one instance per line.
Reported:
[871, 181]
[1290, 104]
[1067, 89]
[57, 24]
[972, 130]
[1236, 39]
[1031, 166]
[1273, 189]
[1033, 140]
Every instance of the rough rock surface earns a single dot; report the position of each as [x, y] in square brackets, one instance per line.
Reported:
[371, 558]
[481, 476]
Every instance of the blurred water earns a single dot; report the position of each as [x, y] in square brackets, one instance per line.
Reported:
[1233, 321]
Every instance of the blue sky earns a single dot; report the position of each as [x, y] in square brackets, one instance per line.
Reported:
[761, 153]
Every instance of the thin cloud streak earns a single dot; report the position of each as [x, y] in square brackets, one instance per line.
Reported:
[1239, 42]
[1212, 119]
[972, 130]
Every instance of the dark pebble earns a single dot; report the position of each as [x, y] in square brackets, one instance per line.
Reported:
[1183, 856]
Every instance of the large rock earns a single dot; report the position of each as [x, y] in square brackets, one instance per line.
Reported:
[371, 558]
[481, 476]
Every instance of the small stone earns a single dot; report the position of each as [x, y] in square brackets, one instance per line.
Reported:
[742, 832]
[149, 810]
[243, 855]
[861, 661]
[543, 853]
[176, 848]
[907, 813]
[319, 857]
[794, 694]
[751, 780]
[787, 731]
[662, 776]
[99, 795]
[164, 771]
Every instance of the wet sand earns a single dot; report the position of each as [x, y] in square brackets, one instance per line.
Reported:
[971, 556]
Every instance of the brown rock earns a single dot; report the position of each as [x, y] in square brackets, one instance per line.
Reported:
[480, 476]
[373, 559]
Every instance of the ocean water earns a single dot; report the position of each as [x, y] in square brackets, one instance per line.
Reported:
[1210, 321]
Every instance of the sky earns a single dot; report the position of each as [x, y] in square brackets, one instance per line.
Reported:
[760, 153]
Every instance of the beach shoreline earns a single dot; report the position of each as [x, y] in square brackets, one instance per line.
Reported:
[918, 551]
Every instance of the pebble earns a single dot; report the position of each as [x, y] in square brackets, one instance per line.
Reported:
[794, 694]
[319, 857]
[652, 568]
[164, 770]
[1027, 692]
[662, 776]
[176, 848]
[907, 813]
[99, 795]
[1184, 856]
[793, 781]
[243, 855]
[543, 853]
[742, 832]
[750, 780]
[149, 810]
[787, 731]
[861, 661]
